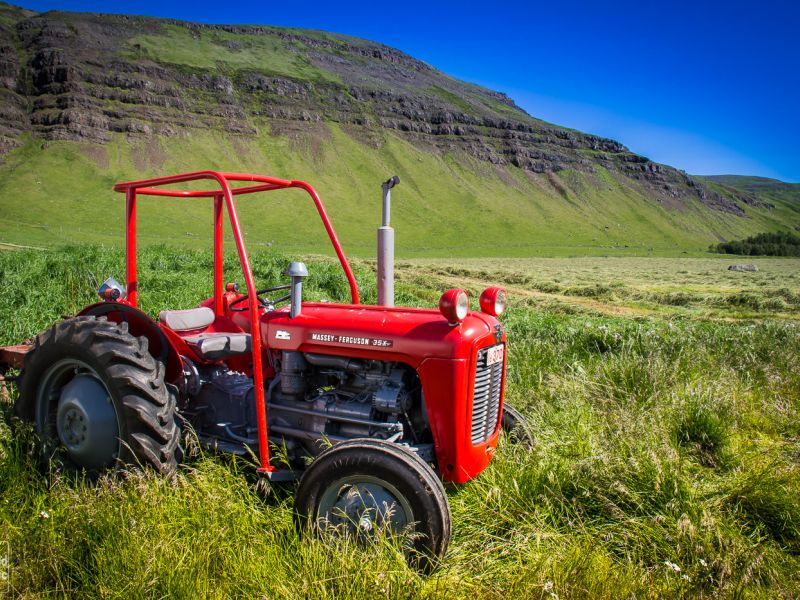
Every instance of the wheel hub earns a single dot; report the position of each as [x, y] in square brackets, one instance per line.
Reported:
[86, 422]
[73, 429]
[364, 504]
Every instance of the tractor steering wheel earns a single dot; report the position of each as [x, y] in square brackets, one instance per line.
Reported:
[262, 302]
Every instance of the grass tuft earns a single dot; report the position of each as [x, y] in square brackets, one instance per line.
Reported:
[702, 429]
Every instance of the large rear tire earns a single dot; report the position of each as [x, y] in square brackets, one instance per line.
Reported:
[362, 486]
[98, 400]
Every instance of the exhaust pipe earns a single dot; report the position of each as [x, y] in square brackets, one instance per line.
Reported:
[297, 271]
[386, 247]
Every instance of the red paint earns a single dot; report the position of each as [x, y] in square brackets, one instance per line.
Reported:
[416, 333]
[151, 187]
[442, 354]
[130, 246]
[219, 236]
[332, 234]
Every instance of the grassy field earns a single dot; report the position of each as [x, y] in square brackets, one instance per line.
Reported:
[664, 395]
[633, 286]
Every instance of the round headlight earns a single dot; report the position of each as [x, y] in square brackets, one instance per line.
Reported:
[454, 305]
[493, 301]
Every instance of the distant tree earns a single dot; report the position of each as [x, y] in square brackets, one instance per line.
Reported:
[780, 243]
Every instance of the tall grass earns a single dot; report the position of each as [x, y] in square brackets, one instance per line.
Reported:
[665, 464]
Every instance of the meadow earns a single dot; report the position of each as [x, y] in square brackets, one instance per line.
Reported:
[633, 286]
[664, 395]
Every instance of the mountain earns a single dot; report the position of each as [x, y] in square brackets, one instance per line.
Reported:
[90, 99]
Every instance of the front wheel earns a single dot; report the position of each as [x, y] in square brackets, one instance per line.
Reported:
[516, 426]
[363, 486]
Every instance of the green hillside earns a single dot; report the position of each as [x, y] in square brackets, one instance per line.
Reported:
[444, 205]
[770, 190]
[479, 176]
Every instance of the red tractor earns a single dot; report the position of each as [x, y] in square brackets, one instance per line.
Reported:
[370, 406]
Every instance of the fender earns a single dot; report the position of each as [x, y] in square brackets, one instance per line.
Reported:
[140, 323]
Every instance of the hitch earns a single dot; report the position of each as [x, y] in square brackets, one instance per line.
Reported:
[12, 356]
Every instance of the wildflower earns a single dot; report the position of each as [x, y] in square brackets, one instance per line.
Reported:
[673, 566]
[703, 562]
[686, 577]
[548, 586]
[44, 515]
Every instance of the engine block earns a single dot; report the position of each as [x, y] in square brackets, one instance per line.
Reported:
[314, 400]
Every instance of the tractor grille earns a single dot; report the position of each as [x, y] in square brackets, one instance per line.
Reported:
[485, 398]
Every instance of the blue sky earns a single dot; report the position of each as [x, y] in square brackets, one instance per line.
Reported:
[709, 87]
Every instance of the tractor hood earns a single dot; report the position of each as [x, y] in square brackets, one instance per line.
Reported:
[410, 335]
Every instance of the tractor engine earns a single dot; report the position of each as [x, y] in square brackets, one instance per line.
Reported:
[314, 398]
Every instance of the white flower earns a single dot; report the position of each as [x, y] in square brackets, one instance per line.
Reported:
[44, 515]
[703, 562]
[673, 566]
[548, 586]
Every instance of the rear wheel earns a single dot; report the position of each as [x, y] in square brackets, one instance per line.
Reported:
[98, 399]
[516, 426]
[364, 486]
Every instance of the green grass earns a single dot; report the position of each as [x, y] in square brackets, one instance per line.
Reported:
[772, 189]
[457, 101]
[229, 52]
[665, 461]
[446, 205]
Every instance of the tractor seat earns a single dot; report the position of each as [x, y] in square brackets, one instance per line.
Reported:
[187, 320]
[217, 346]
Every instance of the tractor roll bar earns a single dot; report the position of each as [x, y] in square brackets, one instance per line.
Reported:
[150, 187]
